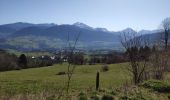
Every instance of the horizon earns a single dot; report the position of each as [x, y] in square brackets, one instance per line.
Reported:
[87, 25]
[113, 15]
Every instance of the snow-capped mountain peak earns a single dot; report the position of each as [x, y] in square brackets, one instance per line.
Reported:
[82, 25]
[129, 30]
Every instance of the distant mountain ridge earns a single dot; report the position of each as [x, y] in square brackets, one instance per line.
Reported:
[21, 25]
[28, 36]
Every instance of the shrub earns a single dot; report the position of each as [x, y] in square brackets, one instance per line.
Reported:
[103, 90]
[113, 92]
[107, 97]
[83, 96]
[61, 73]
[8, 61]
[157, 85]
[95, 97]
[169, 97]
[22, 61]
[124, 97]
[105, 68]
[77, 59]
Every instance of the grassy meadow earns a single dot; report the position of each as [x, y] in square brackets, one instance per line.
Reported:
[35, 80]
[44, 84]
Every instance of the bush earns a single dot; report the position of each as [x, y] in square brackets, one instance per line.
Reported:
[169, 97]
[113, 92]
[39, 62]
[107, 97]
[77, 59]
[22, 61]
[8, 61]
[83, 96]
[61, 73]
[95, 97]
[124, 97]
[105, 68]
[157, 85]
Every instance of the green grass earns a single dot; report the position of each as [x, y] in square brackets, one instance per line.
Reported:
[44, 84]
[35, 80]
[157, 85]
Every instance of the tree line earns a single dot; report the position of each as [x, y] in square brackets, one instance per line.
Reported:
[144, 63]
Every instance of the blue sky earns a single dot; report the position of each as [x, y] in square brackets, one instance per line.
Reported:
[112, 14]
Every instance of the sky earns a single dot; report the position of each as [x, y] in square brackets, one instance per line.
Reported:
[114, 15]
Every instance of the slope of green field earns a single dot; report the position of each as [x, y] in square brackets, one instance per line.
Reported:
[35, 80]
[44, 84]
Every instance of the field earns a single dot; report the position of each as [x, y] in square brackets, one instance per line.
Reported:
[36, 80]
[44, 83]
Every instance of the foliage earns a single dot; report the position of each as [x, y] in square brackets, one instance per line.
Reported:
[104, 68]
[95, 97]
[107, 97]
[109, 58]
[22, 61]
[77, 59]
[157, 85]
[8, 61]
[138, 52]
[40, 62]
[83, 96]
[61, 73]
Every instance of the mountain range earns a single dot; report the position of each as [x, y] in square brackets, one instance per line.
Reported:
[28, 36]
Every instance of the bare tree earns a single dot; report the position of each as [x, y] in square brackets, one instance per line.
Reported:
[158, 63]
[160, 57]
[132, 43]
[166, 28]
[69, 52]
[71, 66]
